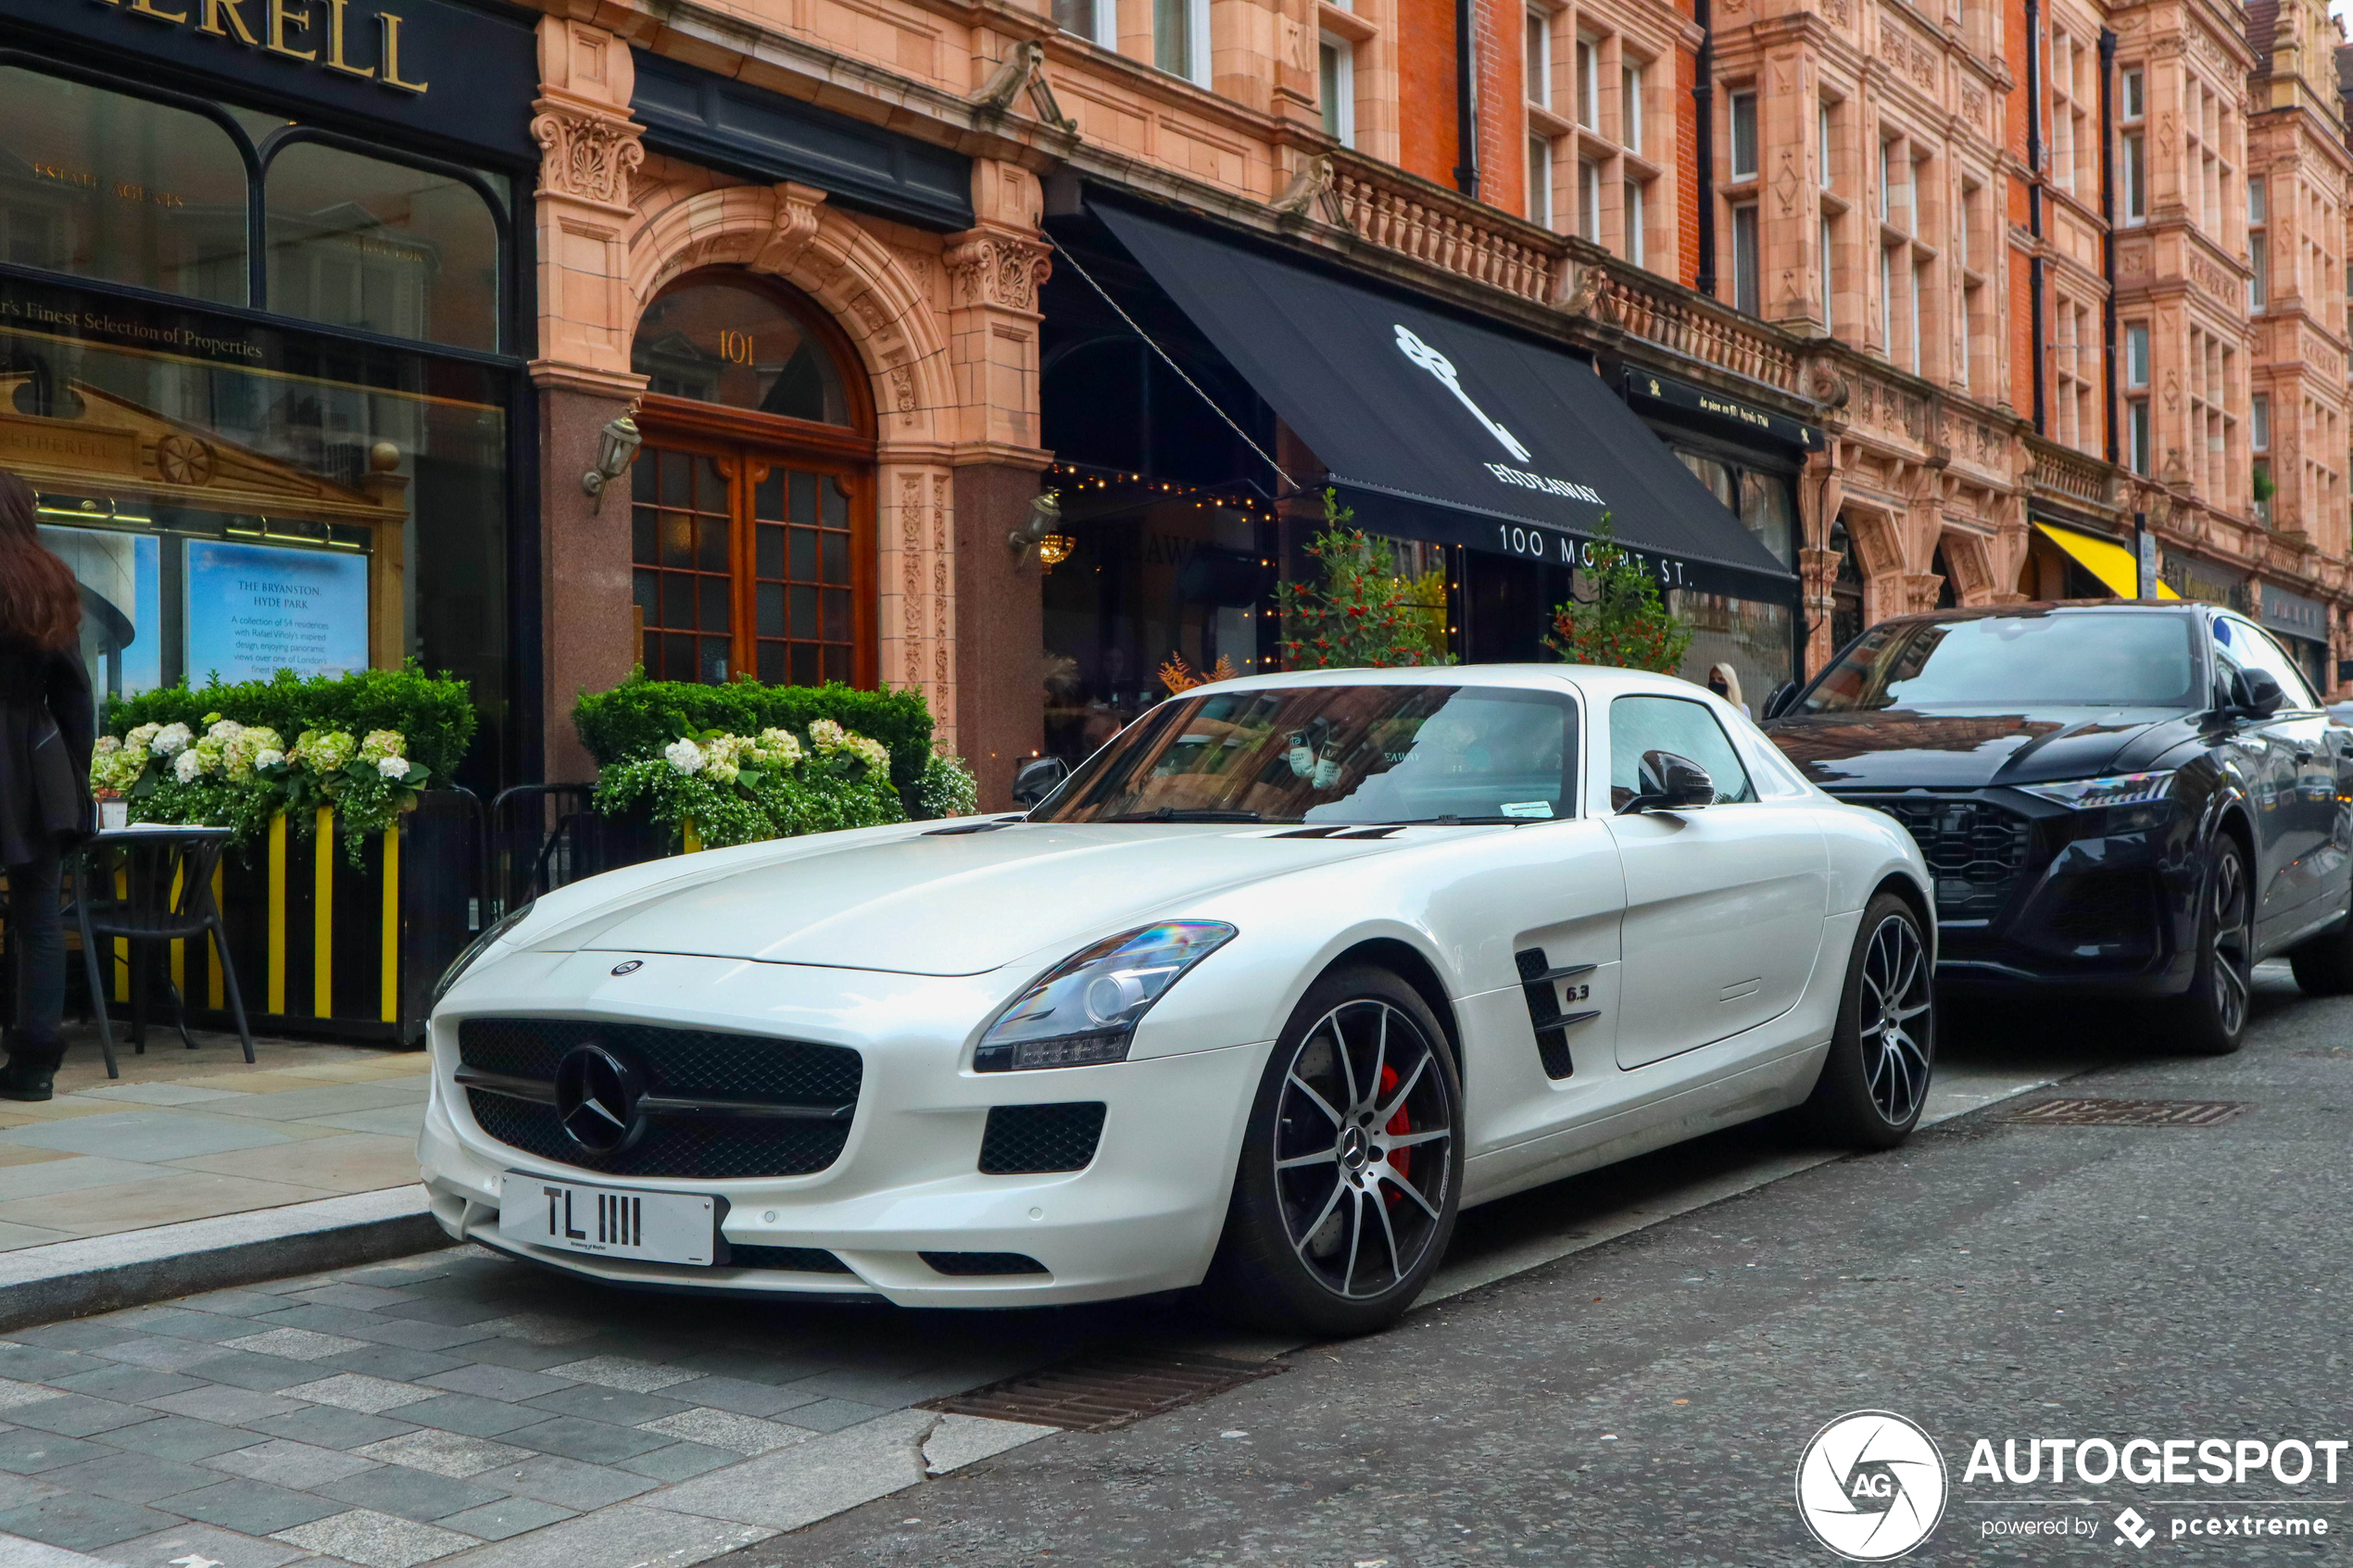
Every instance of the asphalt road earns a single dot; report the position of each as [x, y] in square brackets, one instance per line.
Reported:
[1646, 1400]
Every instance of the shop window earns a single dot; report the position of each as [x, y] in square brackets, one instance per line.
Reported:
[99, 184]
[383, 247]
[728, 341]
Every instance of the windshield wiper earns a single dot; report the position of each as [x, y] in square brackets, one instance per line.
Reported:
[1170, 814]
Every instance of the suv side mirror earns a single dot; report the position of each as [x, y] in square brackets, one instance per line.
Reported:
[1670, 783]
[2256, 694]
[1777, 701]
[1039, 778]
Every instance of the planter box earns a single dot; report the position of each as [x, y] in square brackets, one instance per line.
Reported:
[325, 947]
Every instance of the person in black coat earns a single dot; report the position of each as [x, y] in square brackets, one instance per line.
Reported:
[47, 724]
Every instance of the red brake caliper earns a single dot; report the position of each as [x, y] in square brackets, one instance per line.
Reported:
[1401, 1160]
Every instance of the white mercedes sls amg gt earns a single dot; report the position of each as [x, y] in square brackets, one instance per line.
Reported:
[1278, 981]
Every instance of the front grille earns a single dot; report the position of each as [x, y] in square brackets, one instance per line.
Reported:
[694, 1063]
[974, 1264]
[791, 1260]
[1027, 1140]
[1975, 850]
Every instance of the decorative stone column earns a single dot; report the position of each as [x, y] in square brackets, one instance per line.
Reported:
[995, 269]
[589, 147]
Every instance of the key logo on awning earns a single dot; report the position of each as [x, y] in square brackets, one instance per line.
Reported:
[1437, 365]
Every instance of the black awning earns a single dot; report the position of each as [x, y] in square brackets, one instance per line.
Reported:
[1443, 430]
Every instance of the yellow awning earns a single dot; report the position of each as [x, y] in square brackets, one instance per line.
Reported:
[2104, 559]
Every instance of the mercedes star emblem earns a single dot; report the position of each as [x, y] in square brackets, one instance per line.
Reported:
[629, 966]
[597, 1099]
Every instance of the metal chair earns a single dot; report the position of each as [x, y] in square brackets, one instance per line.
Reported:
[147, 888]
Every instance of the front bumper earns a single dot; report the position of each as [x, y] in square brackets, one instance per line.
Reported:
[1143, 1215]
[2032, 896]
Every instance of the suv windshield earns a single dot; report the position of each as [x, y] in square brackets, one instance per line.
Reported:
[2111, 659]
[1369, 754]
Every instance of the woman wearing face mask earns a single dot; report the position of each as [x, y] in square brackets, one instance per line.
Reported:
[1726, 683]
[46, 733]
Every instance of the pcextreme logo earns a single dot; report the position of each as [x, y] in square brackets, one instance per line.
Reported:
[1871, 1486]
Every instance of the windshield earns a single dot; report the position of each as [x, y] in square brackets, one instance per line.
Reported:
[1368, 754]
[2122, 659]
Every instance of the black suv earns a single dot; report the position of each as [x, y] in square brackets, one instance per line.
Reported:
[2133, 799]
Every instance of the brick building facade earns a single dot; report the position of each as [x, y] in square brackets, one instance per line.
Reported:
[2020, 277]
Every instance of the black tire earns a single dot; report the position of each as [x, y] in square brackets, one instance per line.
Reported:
[1875, 1079]
[2323, 964]
[1341, 1236]
[2209, 1018]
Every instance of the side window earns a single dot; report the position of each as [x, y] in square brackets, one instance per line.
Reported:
[2255, 651]
[1663, 723]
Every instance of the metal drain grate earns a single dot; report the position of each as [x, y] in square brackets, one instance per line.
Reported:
[1104, 1389]
[2127, 1112]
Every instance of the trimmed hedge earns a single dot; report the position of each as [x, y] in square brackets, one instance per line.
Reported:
[639, 716]
[434, 714]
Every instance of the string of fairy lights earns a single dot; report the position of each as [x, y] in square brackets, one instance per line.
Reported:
[1078, 480]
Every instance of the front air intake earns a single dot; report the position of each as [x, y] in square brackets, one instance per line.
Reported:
[1030, 1140]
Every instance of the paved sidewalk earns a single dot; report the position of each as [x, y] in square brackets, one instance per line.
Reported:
[191, 1135]
[461, 1405]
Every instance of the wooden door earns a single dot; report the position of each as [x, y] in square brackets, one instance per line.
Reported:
[753, 556]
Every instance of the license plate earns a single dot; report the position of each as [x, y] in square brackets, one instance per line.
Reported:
[660, 1227]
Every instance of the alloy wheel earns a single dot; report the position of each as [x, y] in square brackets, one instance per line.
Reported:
[1364, 1147]
[1895, 992]
[2231, 908]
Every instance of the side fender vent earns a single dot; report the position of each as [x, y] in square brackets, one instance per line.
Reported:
[1539, 982]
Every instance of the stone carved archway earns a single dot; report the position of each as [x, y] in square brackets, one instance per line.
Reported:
[902, 339]
[1973, 565]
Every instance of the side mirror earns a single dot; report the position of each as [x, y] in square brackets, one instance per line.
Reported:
[1669, 782]
[1778, 701]
[2256, 694]
[1039, 778]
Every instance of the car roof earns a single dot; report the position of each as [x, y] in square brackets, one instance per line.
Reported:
[2054, 607]
[1597, 679]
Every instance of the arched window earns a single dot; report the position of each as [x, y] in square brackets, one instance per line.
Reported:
[752, 498]
[722, 338]
[100, 185]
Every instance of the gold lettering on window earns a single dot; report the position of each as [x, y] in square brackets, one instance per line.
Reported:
[286, 13]
[391, 25]
[147, 9]
[216, 9]
[736, 347]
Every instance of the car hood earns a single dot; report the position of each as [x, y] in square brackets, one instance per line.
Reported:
[1914, 748]
[929, 903]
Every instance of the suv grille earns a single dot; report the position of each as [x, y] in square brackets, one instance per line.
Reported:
[746, 1071]
[1974, 849]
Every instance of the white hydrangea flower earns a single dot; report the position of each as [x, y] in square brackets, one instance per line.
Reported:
[395, 768]
[683, 755]
[380, 744]
[188, 766]
[781, 747]
[142, 738]
[171, 740]
[269, 756]
[826, 736]
[224, 731]
[106, 744]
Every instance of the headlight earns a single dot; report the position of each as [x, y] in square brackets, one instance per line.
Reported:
[474, 949]
[2120, 789]
[1085, 1009]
